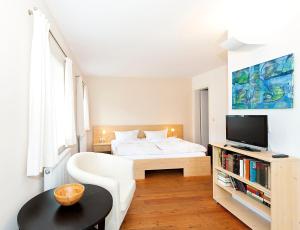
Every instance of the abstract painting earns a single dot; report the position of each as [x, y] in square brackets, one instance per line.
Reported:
[268, 85]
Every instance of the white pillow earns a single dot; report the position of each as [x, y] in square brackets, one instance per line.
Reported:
[126, 135]
[156, 135]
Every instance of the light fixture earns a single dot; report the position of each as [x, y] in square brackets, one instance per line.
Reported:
[172, 131]
[232, 44]
[102, 139]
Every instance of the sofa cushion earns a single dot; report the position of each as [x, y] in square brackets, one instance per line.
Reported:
[127, 189]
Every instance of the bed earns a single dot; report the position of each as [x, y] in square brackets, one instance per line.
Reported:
[171, 153]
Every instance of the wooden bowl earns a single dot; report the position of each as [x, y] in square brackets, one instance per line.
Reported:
[68, 194]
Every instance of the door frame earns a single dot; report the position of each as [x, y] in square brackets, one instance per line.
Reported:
[196, 110]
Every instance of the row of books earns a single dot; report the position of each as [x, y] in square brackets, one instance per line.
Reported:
[224, 180]
[258, 195]
[251, 169]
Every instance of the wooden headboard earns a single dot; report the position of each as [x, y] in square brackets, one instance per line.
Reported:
[107, 131]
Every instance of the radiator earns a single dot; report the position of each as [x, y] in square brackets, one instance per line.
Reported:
[57, 175]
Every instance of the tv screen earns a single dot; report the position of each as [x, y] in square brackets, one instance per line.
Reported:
[248, 129]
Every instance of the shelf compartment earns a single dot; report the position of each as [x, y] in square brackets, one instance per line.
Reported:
[284, 210]
[253, 220]
[253, 184]
[255, 205]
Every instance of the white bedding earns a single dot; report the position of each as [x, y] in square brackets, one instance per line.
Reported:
[168, 148]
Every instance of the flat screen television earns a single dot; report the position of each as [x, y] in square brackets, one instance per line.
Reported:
[248, 129]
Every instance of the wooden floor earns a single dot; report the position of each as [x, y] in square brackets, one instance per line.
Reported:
[167, 200]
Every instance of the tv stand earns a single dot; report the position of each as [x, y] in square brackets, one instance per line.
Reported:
[284, 178]
[246, 148]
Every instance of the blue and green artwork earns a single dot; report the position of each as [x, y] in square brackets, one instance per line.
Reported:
[268, 85]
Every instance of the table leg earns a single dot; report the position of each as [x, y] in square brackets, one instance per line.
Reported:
[101, 225]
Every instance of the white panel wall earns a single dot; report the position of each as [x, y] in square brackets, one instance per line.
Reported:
[279, 28]
[135, 101]
[216, 81]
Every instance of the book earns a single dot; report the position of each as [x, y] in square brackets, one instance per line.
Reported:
[252, 189]
[265, 182]
[241, 168]
[259, 173]
[230, 162]
[233, 183]
[224, 159]
[226, 180]
[269, 177]
[220, 157]
[236, 163]
[256, 197]
[241, 186]
[267, 202]
[222, 174]
[264, 176]
[247, 169]
[268, 194]
[238, 186]
[252, 170]
[223, 177]
[224, 184]
[266, 199]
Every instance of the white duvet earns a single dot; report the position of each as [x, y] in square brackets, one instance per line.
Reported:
[144, 147]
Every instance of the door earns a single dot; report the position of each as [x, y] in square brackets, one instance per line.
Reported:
[204, 117]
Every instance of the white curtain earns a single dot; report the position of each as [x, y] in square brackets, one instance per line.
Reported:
[86, 113]
[70, 132]
[80, 116]
[39, 76]
[51, 106]
[83, 120]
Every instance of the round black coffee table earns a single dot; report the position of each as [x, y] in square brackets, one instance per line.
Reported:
[42, 211]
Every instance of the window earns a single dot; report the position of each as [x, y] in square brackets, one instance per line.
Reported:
[51, 100]
[57, 60]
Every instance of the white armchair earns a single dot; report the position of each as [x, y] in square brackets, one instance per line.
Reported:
[110, 172]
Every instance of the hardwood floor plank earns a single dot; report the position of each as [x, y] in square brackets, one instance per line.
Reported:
[166, 200]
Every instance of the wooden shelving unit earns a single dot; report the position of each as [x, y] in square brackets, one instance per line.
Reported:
[259, 207]
[285, 187]
[255, 185]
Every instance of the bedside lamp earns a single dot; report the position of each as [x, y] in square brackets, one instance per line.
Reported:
[172, 132]
[102, 139]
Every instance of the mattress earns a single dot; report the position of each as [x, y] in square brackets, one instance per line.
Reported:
[165, 156]
[167, 148]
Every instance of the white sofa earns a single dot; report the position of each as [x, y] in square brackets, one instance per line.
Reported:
[110, 172]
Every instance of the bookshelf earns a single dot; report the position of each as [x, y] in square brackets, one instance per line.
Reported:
[255, 185]
[284, 210]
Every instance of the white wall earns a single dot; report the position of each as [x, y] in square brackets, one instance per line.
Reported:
[279, 29]
[216, 82]
[130, 101]
[16, 32]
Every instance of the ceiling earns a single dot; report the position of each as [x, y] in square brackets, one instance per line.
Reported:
[142, 38]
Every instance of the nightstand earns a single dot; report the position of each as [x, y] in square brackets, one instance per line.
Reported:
[102, 148]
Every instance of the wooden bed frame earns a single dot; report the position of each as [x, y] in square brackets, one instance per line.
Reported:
[192, 166]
